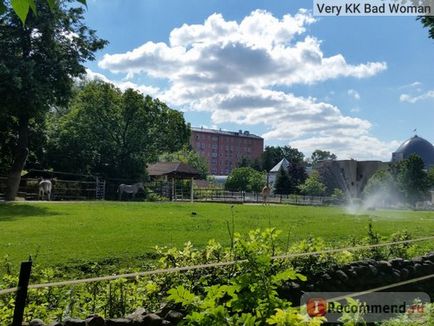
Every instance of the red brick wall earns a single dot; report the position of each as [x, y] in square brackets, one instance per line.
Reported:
[223, 150]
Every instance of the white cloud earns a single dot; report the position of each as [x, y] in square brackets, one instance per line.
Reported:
[350, 147]
[123, 85]
[354, 94]
[416, 98]
[228, 68]
[412, 85]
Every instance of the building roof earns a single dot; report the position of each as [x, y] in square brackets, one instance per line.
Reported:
[415, 145]
[239, 133]
[173, 169]
[282, 164]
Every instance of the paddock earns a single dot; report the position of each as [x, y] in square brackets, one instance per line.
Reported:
[77, 232]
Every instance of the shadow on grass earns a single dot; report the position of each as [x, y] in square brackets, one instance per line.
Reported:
[13, 211]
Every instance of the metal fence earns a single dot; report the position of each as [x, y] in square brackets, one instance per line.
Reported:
[94, 188]
[220, 195]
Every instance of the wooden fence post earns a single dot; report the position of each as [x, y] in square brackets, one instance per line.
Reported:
[20, 301]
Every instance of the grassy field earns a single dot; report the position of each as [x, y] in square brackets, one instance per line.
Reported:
[59, 233]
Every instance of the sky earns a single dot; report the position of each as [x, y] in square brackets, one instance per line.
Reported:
[355, 86]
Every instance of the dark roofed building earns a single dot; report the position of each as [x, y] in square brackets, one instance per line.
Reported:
[415, 145]
[172, 170]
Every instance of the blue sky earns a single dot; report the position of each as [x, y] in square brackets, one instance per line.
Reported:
[357, 86]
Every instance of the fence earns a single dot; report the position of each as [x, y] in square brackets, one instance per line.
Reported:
[220, 195]
[91, 188]
[62, 189]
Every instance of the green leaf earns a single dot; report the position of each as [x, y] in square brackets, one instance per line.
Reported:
[83, 2]
[51, 4]
[32, 5]
[181, 295]
[21, 8]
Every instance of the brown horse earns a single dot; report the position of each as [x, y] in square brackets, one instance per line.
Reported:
[265, 193]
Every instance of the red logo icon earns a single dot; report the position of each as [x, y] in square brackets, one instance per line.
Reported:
[316, 307]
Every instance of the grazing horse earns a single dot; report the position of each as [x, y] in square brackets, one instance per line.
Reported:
[265, 193]
[130, 189]
[45, 187]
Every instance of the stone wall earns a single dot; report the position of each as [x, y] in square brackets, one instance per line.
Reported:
[365, 275]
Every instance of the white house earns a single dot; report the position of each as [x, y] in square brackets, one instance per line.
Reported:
[272, 175]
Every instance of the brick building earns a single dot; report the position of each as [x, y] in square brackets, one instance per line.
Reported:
[223, 150]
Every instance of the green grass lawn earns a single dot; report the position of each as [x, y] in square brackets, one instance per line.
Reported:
[59, 233]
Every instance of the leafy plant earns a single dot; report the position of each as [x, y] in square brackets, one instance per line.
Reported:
[248, 298]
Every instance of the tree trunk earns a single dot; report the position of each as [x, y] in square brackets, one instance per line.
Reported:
[20, 157]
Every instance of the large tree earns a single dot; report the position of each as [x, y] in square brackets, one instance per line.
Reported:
[114, 133]
[272, 155]
[413, 179]
[38, 64]
[320, 155]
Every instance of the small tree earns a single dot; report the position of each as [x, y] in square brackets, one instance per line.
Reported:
[313, 185]
[338, 194]
[245, 179]
[283, 183]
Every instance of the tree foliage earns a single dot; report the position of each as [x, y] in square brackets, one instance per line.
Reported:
[313, 185]
[383, 188]
[23, 7]
[283, 185]
[38, 64]
[320, 155]
[404, 182]
[431, 177]
[114, 133]
[428, 22]
[296, 169]
[245, 179]
[188, 156]
[413, 179]
[273, 155]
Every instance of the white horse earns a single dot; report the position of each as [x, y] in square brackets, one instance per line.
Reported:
[130, 189]
[45, 187]
[265, 193]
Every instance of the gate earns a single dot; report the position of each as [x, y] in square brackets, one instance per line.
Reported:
[100, 189]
